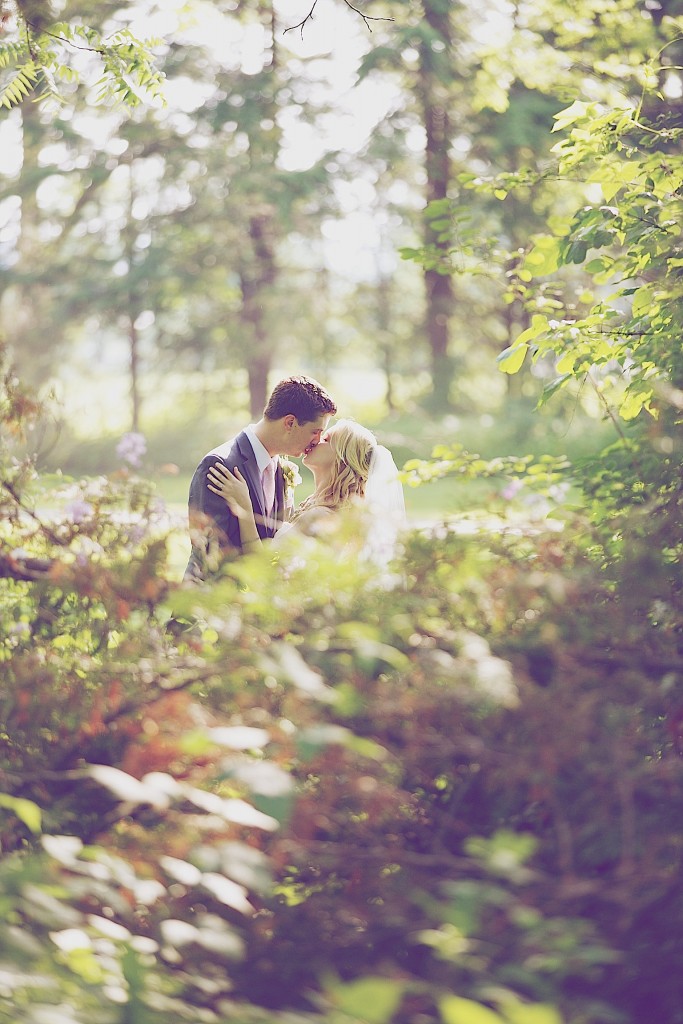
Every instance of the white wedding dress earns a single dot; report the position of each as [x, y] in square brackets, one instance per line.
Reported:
[384, 508]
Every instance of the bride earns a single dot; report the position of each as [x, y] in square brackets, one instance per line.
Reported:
[349, 469]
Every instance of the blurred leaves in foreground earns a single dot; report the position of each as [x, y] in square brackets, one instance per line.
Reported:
[309, 792]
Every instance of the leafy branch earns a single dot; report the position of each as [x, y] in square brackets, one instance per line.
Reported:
[129, 65]
[20, 86]
[449, 460]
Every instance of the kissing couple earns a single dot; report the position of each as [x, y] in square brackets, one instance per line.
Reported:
[241, 493]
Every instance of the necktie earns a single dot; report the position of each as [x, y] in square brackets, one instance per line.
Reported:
[268, 482]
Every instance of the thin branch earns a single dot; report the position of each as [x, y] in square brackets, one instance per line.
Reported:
[64, 39]
[29, 41]
[301, 24]
[159, 691]
[367, 18]
[606, 406]
[29, 512]
[25, 569]
[63, 769]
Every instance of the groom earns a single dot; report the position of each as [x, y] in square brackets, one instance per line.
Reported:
[293, 421]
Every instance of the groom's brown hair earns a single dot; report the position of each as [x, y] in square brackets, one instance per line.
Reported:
[302, 397]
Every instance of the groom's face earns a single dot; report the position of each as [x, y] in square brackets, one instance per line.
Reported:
[303, 437]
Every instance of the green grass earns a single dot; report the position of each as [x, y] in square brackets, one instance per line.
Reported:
[428, 502]
[514, 429]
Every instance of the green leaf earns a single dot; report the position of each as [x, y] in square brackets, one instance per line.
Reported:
[597, 266]
[576, 252]
[27, 812]
[543, 259]
[569, 115]
[370, 1000]
[614, 175]
[550, 389]
[438, 208]
[642, 301]
[633, 401]
[315, 737]
[539, 324]
[531, 1013]
[455, 1010]
[510, 361]
[566, 363]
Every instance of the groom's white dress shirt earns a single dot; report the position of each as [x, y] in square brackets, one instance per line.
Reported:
[264, 462]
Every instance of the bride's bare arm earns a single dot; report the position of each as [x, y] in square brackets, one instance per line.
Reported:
[233, 488]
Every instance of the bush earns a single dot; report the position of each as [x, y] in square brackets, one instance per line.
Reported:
[335, 796]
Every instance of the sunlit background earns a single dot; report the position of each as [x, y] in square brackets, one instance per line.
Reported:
[160, 264]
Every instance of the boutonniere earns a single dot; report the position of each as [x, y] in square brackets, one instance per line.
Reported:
[292, 477]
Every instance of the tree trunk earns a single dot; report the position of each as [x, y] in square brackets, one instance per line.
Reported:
[257, 283]
[259, 273]
[439, 293]
[258, 372]
[440, 296]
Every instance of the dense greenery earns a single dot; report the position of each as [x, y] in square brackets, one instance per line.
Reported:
[444, 793]
[435, 796]
[623, 339]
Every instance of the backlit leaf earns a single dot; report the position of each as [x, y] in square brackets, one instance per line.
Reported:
[510, 361]
[531, 1013]
[370, 1000]
[455, 1010]
[642, 301]
[25, 810]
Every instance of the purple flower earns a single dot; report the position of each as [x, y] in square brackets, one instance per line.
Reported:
[137, 533]
[78, 510]
[131, 449]
[511, 489]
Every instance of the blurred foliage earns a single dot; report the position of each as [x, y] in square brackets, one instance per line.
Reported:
[447, 792]
[626, 346]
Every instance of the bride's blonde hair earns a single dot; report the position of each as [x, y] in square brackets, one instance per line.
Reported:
[353, 447]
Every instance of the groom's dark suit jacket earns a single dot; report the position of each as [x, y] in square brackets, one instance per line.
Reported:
[214, 530]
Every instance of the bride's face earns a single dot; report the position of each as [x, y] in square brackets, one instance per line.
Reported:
[322, 457]
[302, 436]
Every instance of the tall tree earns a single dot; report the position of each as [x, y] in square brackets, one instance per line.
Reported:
[170, 225]
[257, 263]
[432, 68]
[249, 200]
[435, 77]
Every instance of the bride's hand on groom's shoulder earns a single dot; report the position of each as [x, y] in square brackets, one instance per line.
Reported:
[232, 487]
